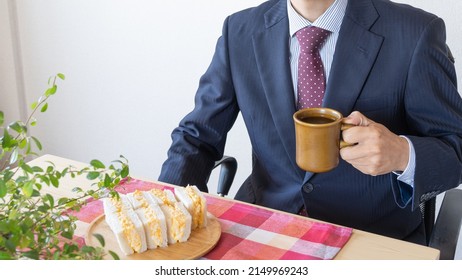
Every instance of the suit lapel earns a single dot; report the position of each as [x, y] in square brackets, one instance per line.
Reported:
[271, 48]
[356, 51]
[355, 54]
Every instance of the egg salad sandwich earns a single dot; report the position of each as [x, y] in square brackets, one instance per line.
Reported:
[125, 224]
[195, 203]
[152, 217]
[177, 217]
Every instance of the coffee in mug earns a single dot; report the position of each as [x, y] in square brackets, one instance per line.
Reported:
[318, 138]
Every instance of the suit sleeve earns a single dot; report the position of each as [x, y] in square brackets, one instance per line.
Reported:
[434, 114]
[200, 138]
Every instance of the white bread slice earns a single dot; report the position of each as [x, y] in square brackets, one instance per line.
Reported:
[114, 204]
[178, 218]
[152, 217]
[196, 204]
[125, 224]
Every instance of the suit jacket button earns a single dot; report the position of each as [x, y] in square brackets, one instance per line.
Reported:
[308, 187]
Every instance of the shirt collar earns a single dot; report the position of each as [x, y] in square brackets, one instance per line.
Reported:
[331, 19]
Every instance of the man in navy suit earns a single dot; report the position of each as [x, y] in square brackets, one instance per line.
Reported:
[387, 68]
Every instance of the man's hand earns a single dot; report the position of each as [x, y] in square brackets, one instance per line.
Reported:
[378, 151]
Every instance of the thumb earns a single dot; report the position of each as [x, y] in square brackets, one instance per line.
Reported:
[358, 119]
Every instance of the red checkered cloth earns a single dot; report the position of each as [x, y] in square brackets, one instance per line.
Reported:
[250, 232]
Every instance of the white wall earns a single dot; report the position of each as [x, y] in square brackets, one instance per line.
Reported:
[132, 69]
[9, 95]
[128, 82]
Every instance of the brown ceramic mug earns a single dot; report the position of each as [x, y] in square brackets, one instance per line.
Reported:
[318, 138]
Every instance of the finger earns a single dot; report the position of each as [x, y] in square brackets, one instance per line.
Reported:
[358, 119]
[353, 154]
[356, 134]
[360, 160]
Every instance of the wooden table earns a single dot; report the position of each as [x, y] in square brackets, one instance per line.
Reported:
[362, 245]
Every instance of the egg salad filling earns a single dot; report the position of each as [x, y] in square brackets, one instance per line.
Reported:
[198, 208]
[176, 218]
[178, 222]
[153, 223]
[117, 204]
[129, 231]
[162, 196]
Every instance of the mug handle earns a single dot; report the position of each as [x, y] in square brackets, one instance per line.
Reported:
[344, 144]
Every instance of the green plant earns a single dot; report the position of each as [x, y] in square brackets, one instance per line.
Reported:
[33, 224]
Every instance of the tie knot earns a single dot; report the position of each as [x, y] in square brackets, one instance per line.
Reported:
[311, 38]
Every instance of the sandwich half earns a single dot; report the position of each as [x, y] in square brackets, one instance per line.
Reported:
[152, 217]
[125, 224]
[196, 204]
[177, 217]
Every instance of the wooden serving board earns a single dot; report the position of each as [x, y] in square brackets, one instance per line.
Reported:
[200, 242]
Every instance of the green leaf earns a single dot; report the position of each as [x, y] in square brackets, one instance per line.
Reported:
[7, 139]
[33, 254]
[54, 181]
[7, 175]
[22, 143]
[114, 255]
[19, 128]
[97, 164]
[10, 244]
[35, 193]
[34, 105]
[37, 143]
[25, 241]
[3, 226]
[33, 122]
[2, 118]
[61, 76]
[21, 179]
[5, 256]
[51, 90]
[100, 239]
[63, 200]
[45, 179]
[50, 169]
[92, 175]
[64, 172]
[107, 180]
[87, 249]
[37, 169]
[77, 189]
[28, 148]
[28, 188]
[14, 155]
[44, 108]
[124, 172]
[67, 234]
[27, 168]
[43, 208]
[3, 189]
[50, 199]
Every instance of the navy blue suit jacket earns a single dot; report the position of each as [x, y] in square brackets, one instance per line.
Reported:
[391, 64]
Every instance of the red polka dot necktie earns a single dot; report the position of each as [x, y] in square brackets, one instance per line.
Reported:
[311, 79]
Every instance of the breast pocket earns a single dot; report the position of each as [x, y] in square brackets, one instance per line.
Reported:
[380, 109]
[370, 105]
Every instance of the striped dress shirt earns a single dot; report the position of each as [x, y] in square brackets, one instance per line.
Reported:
[331, 20]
